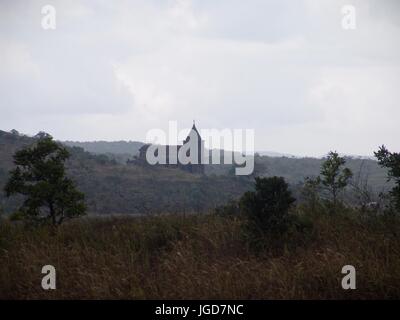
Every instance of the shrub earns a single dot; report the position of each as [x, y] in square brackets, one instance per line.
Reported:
[267, 208]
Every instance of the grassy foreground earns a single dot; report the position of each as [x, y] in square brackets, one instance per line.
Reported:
[201, 257]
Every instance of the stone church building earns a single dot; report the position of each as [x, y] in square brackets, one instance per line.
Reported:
[192, 143]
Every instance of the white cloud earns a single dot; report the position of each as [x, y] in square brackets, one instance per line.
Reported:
[286, 69]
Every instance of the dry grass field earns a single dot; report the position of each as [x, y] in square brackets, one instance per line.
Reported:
[201, 257]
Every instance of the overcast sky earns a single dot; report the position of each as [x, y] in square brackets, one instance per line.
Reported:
[112, 70]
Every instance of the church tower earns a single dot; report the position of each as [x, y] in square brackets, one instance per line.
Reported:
[197, 145]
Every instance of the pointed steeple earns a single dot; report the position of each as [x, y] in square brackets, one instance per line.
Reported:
[194, 129]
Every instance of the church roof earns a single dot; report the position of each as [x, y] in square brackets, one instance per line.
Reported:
[195, 129]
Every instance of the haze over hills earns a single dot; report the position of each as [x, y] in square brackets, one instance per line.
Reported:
[116, 147]
[113, 186]
[132, 148]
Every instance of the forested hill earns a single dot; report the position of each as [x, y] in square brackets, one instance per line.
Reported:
[112, 186]
[293, 169]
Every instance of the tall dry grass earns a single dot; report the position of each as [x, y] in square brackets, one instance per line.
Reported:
[201, 257]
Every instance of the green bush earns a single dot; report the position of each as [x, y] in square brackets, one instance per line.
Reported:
[267, 208]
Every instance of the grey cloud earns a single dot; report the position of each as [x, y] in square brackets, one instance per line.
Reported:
[285, 68]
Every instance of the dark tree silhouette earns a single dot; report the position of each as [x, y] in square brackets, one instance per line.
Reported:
[391, 161]
[268, 207]
[50, 197]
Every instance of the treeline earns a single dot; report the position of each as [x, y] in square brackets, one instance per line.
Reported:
[114, 188]
[269, 204]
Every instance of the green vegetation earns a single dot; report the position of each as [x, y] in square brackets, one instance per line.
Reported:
[267, 208]
[114, 188]
[263, 245]
[392, 162]
[49, 196]
[334, 177]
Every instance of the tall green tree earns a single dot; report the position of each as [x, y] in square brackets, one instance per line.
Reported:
[334, 177]
[50, 197]
[391, 161]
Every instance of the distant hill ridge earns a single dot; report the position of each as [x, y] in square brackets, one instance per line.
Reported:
[131, 148]
[116, 147]
[112, 186]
